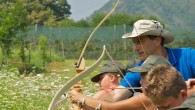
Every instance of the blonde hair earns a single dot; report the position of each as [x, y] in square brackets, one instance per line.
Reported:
[162, 82]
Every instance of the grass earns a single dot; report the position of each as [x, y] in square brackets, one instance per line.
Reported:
[26, 93]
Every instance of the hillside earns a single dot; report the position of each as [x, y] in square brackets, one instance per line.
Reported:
[178, 15]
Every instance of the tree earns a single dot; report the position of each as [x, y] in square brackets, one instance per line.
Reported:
[41, 11]
[120, 19]
[67, 23]
[97, 18]
[82, 23]
[42, 46]
[12, 20]
[60, 8]
[115, 19]
[44, 12]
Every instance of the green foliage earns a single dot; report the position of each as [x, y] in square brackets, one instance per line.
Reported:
[184, 42]
[42, 42]
[118, 18]
[58, 7]
[121, 18]
[115, 19]
[12, 19]
[45, 11]
[95, 20]
[42, 46]
[67, 23]
[82, 23]
[138, 17]
[26, 68]
[51, 22]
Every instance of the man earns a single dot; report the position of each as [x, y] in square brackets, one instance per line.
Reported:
[165, 87]
[109, 78]
[149, 63]
[148, 38]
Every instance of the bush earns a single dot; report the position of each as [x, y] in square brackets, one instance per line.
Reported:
[28, 68]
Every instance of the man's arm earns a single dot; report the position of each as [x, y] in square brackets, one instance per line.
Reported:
[119, 93]
[130, 80]
[137, 102]
[98, 95]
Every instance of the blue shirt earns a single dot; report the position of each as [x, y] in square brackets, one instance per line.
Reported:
[183, 59]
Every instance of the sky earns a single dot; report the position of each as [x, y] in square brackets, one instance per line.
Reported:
[84, 8]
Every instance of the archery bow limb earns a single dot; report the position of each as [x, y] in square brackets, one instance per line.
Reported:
[80, 65]
[74, 80]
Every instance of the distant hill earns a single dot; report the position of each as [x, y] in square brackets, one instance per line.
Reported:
[178, 15]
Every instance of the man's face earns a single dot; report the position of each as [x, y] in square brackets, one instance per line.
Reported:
[144, 46]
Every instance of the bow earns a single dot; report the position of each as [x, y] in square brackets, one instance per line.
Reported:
[74, 80]
[80, 66]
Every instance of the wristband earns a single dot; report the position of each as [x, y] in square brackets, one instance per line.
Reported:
[83, 101]
[99, 107]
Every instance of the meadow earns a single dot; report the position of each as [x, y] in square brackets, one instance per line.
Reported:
[35, 91]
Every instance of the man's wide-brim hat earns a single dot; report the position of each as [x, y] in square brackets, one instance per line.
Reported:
[149, 27]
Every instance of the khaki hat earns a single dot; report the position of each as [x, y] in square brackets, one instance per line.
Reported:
[149, 27]
[189, 104]
[109, 67]
[149, 63]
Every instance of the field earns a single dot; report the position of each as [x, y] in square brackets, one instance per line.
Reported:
[35, 92]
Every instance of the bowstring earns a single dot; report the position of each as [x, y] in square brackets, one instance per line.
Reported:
[125, 78]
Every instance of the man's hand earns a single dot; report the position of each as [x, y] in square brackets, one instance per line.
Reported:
[75, 96]
[190, 83]
[190, 86]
